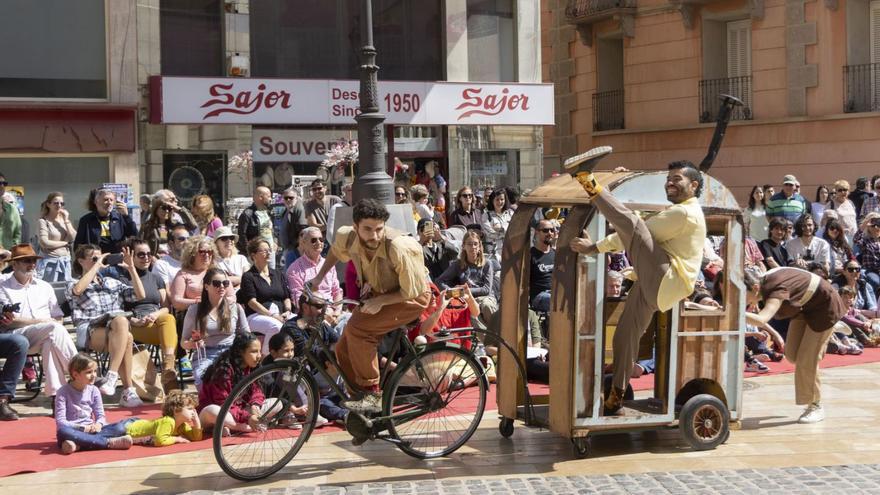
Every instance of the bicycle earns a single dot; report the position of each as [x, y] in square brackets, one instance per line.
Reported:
[433, 400]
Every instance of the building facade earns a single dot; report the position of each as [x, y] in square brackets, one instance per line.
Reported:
[435, 40]
[68, 100]
[643, 76]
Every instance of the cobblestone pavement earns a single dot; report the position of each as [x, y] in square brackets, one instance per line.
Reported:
[848, 479]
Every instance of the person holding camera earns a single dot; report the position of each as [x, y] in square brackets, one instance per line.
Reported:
[31, 309]
[450, 308]
[101, 324]
[805, 248]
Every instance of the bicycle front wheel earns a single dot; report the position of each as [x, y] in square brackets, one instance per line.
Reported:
[435, 402]
[287, 418]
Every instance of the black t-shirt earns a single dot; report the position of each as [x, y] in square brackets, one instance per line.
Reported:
[540, 271]
[152, 284]
[253, 286]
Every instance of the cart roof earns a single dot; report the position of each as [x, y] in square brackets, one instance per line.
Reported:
[634, 188]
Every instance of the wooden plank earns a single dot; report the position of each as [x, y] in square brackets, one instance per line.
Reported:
[570, 311]
[514, 308]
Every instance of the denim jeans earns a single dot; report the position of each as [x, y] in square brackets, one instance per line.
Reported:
[200, 365]
[93, 441]
[330, 408]
[290, 255]
[14, 348]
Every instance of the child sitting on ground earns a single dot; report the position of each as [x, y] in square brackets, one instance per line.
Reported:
[230, 367]
[79, 412]
[281, 346]
[862, 327]
[179, 423]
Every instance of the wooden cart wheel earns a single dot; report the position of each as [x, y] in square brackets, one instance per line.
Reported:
[704, 422]
[505, 427]
[582, 446]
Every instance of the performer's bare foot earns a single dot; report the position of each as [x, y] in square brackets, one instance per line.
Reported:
[586, 162]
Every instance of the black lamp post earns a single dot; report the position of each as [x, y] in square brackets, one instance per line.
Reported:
[372, 180]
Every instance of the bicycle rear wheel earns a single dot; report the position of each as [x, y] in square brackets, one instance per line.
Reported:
[287, 418]
[436, 401]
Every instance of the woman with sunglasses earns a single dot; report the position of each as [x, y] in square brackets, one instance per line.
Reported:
[101, 324]
[264, 293]
[839, 248]
[197, 257]
[865, 297]
[465, 212]
[846, 211]
[210, 326]
[306, 267]
[56, 234]
[228, 258]
[157, 229]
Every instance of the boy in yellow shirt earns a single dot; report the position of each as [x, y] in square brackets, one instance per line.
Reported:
[179, 423]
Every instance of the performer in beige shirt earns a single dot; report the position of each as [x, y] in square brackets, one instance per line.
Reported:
[393, 279]
[665, 250]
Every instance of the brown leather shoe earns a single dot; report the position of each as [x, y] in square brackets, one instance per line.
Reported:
[169, 380]
[7, 413]
[614, 401]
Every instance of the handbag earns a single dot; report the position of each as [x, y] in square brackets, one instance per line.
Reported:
[145, 378]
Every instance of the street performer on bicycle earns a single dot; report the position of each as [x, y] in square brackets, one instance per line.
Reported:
[393, 278]
[665, 250]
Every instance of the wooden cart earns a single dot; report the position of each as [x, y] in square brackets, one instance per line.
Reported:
[699, 354]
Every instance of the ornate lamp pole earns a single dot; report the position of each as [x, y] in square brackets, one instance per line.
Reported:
[372, 180]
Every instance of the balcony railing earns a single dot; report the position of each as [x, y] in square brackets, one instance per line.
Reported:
[861, 88]
[608, 110]
[740, 87]
[580, 9]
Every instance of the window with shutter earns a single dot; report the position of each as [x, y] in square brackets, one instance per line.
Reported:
[875, 55]
[739, 48]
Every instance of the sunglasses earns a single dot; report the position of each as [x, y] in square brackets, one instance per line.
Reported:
[166, 208]
[220, 283]
[226, 238]
[875, 224]
[843, 190]
[466, 196]
[314, 189]
[3, 183]
[316, 240]
[206, 252]
[549, 230]
[853, 269]
[400, 194]
[58, 203]
[181, 238]
[289, 198]
[143, 255]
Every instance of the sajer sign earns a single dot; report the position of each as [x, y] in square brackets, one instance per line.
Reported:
[195, 100]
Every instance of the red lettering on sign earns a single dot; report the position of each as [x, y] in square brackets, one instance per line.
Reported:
[492, 104]
[243, 102]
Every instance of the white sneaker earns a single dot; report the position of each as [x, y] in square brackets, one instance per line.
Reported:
[812, 414]
[320, 421]
[109, 386]
[130, 398]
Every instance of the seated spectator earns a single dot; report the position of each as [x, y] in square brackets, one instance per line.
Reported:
[465, 212]
[13, 351]
[203, 213]
[869, 253]
[845, 209]
[264, 293]
[543, 259]
[839, 249]
[472, 270]
[230, 367]
[818, 269]
[198, 255]
[306, 267]
[37, 317]
[449, 308]
[281, 346]
[752, 257]
[805, 247]
[151, 322]
[157, 229]
[613, 284]
[106, 225]
[421, 201]
[773, 248]
[439, 253]
[865, 299]
[166, 266]
[179, 213]
[712, 263]
[863, 329]
[210, 326]
[101, 324]
[228, 258]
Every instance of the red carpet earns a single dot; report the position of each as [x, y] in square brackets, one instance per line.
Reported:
[29, 445]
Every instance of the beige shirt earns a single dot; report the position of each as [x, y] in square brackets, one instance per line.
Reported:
[398, 264]
[681, 231]
[54, 238]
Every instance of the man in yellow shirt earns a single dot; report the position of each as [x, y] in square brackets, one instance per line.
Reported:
[665, 250]
[393, 282]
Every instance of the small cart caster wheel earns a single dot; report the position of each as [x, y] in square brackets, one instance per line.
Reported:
[582, 447]
[505, 427]
[704, 422]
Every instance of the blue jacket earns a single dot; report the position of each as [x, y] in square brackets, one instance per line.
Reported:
[89, 231]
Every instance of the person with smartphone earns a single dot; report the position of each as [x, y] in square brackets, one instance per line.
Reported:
[450, 308]
[106, 225]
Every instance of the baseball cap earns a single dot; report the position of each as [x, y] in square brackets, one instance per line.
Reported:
[790, 179]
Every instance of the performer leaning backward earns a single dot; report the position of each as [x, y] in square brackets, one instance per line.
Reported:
[665, 250]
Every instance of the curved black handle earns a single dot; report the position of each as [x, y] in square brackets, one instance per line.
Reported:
[727, 104]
